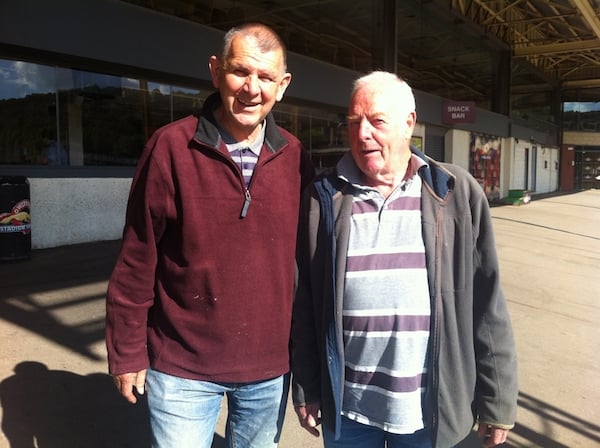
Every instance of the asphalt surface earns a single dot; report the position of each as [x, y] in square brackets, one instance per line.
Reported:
[55, 393]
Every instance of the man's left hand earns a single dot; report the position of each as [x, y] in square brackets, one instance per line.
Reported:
[492, 435]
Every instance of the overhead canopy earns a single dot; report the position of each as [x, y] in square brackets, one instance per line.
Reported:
[457, 49]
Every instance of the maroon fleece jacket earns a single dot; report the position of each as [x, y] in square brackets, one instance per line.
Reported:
[198, 291]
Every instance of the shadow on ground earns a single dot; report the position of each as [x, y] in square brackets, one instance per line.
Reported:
[58, 409]
[27, 298]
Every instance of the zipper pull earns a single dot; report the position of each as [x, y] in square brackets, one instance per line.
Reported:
[246, 204]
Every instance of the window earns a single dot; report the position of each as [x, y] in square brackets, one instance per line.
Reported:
[62, 116]
[54, 115]
[322, 132]
[581, 116]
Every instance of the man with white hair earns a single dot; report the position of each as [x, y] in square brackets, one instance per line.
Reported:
[401, 335]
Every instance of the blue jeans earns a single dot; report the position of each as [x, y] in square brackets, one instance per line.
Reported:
[357, 435]
[184, 413]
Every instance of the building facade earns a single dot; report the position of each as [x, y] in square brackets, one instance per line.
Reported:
[84, 85]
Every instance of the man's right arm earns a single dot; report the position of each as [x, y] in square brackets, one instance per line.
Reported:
[305, 358]
[130, 291]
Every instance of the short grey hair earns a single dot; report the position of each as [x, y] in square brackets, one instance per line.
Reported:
[265, 37]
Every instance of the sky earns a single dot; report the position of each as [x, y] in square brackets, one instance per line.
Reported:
[582, 107]
[19, 79]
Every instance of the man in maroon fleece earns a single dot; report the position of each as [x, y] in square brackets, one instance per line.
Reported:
[199, 302]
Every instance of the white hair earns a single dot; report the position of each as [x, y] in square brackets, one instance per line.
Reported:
[390, 83]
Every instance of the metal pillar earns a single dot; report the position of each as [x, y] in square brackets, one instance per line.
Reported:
[502, 84]
[385, 37]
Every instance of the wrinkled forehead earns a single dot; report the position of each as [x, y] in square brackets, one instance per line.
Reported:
[368, 102]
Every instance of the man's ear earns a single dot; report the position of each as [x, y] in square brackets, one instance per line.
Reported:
[283, 85]
[411, 122]
[215, 71]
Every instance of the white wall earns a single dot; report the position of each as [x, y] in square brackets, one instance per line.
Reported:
[71, 211]
[546, 163]
[547, 171]
[517, 178]
[457, 146]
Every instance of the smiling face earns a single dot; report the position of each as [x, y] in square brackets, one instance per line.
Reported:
[250, 81]
[380, 126]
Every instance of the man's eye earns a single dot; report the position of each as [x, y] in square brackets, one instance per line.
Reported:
[267, 78]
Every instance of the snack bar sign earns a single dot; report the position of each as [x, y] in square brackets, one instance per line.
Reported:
[458, 112]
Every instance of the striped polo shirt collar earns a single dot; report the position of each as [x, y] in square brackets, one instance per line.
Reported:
[255, 146]
[349, 172]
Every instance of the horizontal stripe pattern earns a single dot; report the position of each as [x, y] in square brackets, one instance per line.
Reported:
[407, 260]
[368, 205]
[386, 312]
[388, 384]
[246, 160]
[399, 354]
[402, 417]
[385, 323]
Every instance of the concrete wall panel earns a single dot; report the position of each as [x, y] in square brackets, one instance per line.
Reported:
[71, 211]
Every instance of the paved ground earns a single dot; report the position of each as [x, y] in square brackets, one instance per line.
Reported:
[55, 393]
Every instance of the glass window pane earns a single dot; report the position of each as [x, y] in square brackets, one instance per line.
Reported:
[54, 115]
[581, 116]
[28, 111]
[322, 132]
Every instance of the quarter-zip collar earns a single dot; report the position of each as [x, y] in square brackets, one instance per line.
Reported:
[208, 134]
